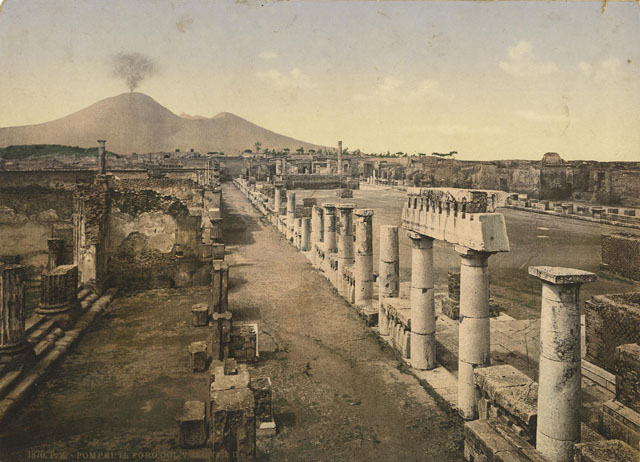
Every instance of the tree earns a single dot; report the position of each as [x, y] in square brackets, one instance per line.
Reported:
[257, 146]
[248, 151]
[300, 150]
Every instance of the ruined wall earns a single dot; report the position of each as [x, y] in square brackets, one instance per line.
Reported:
[610, 321]
[152, 239]
[621, 254]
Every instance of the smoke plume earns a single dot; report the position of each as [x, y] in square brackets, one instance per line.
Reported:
[133, 68]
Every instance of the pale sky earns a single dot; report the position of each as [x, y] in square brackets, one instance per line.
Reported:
[491, 80]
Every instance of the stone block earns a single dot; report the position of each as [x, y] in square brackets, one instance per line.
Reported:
[232, 425]
[627, 370]
[244, 341]
[192, 428]
[621, 423]
[198, 356]
[241, 379]
[513, 394]
[200, 314]
[561, 276]
[217, 251]
[605, 451]
[263, 395]
[487, 440]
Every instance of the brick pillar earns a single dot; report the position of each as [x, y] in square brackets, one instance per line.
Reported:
[559, 380]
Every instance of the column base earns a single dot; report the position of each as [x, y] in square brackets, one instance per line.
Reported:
[16, 356]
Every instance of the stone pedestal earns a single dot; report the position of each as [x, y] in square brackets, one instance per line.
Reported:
[58, 290]
[198, 356]
[330, 239]
[219, 287]
[13, 339]
[364, 255]
[305, 244]
[423, 316]
[56, 249]
[192, 427]
[200, 315]
[216, 230]
[473, 331]
[559, 382]
[389, 270]
[291, 215]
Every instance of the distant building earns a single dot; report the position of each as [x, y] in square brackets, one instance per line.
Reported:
[552, 158]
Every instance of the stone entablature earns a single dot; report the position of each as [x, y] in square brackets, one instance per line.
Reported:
[459, 217]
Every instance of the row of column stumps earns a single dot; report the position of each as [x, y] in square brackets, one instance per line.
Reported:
[560, 373]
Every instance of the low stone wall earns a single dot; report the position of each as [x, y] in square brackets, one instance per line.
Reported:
[621, 254]
[610, 321]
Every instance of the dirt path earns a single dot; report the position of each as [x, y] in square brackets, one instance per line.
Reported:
[339, 394]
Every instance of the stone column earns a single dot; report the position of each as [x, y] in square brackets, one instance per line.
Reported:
[102, 157]
[13, 338]
[345, 243]
[58, 289]
[389, 271]
[331, 245]
[317, 224]
[305, 245]
[277, 199]
[339, 157]
[56, 248]
[364, 255]
[291, 215]
[423, 314]
[278, 167]
[473, 331]
[559, 381]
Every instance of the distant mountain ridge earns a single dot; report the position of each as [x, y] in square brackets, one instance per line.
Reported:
[135, 122]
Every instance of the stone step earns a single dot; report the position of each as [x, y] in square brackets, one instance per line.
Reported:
[45, 328]
[47, 343]
[34, 322]
[88, 300]
[8, 381]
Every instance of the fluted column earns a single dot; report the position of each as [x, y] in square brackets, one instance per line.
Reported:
[13, 339]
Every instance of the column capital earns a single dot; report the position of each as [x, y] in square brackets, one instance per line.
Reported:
[418, 237]
[363, 212]
[561, 276]
[467, 252]
[346, 206]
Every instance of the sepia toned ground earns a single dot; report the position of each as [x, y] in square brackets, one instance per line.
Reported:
[339, 394]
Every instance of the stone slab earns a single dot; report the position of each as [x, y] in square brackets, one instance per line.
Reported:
[560, 276]
[605, 451]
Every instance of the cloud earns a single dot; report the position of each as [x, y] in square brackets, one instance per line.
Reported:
[291, 80]
[391, 90]
[605, 70]
[267, 55]
[523, 62]
[537, 117]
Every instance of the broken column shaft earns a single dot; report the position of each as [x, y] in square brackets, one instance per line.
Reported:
[291, 214]
[331, 245]
[474, 330]
[277, 200]
[423, 316]
[389, 271]
[364, 255]
[317, 224]
[559, 381]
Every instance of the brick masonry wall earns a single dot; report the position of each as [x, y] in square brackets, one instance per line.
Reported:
[628, 375]
[610, 321]
[621, 254]
[244, 342]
